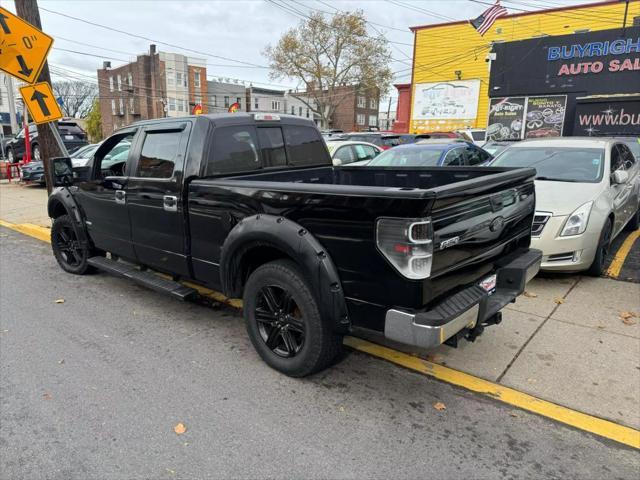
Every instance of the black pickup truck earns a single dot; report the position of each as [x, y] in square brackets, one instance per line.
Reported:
[251, 205]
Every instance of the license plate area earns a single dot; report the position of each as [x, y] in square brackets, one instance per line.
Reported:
[488, 284]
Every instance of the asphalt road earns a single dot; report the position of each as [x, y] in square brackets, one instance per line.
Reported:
[93, 387]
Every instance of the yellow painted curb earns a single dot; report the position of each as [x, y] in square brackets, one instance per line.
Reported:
[621, 255]
[524, 401]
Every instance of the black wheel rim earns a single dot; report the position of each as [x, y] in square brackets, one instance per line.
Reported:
[279, 321]
[68, 246]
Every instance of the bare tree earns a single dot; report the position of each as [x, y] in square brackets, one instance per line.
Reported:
[76, 98]
[325, 54]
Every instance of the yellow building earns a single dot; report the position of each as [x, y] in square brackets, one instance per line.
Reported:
[455, 56]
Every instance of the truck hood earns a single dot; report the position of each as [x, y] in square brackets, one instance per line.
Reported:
[562, 198]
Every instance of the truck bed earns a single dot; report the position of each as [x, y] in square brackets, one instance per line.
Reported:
[339, 206]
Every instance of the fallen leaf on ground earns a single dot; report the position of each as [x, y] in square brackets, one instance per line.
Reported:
[439, 406]
[60, 300]
[530, 294]
[180, 428]
[559, 300]
[513, 414]
[60, 362]
[628, 321]
[625, 315]
[531, 380]
[47, 396]
[341, 409]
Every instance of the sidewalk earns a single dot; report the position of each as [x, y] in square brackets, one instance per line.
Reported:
[571, 340]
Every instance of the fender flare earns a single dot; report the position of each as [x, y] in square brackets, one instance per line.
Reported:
[62, 198]
[294, 241]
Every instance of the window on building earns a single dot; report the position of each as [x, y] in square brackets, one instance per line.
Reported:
[111, 84]
[121, 102]
[304, 145]
[226, 102]
[180, 105]
[239, 100]
[179, 78]
[213, 100]
[275, 105]
[172, 104]
[236, 150]
[130, 79]
[360, 118]
[119, 82]
[158, 156]
[373, 103]
[293, 110]
[198, 100]
[307, 113]
[170, 81]
[373, 120]
[196, 78]
[113, 106]
[272, 147]
[132, 107]
[362, 102]
[256, 104]
[300, 111]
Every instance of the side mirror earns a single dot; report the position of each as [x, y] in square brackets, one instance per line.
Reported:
[619, 177]
[61, 171]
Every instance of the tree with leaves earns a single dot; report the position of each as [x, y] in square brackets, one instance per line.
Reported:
[325, 54]
[75, 97]
[94, 122]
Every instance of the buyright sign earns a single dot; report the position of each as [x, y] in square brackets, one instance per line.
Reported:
[608, 117]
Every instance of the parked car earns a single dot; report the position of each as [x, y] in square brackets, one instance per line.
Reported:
[475, 135]
[33, 172]
[444, 135]
[83, 155]
[346, 152]
[495, 147]
[313, 250]
[73, 137]
[432, 153]
[634, 145]
[406, 138]
[382, 140]
[587, 190]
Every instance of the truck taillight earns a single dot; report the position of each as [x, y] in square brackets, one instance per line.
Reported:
[407, 243]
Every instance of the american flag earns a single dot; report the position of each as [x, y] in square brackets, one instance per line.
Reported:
[484, 21]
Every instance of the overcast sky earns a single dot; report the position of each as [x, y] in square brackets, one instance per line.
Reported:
[235, 29]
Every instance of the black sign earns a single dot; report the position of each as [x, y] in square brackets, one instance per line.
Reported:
[599, 62]
[506, 117]
[608, 117]
[545, 116]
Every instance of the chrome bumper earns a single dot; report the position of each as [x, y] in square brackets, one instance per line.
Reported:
[465, 309]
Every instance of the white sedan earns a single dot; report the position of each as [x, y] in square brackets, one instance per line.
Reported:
[345, 152]
[587, 191]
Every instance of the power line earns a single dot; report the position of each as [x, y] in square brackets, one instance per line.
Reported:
[421, 10]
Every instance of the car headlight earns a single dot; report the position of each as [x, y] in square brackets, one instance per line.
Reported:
[577, 221]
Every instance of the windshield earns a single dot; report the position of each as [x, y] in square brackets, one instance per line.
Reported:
[556, 163]
[390, 141]
[408, 157]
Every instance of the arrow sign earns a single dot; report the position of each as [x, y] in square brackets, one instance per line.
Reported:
[24, 47]
[3, 23]
[39, 97]
[24, 70]
[41, 102]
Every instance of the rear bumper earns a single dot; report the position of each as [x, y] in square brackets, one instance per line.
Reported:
[466, 309]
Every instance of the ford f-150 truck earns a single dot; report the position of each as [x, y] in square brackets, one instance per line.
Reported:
[250, 204]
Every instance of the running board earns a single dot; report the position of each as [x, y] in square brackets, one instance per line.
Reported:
[147, 278]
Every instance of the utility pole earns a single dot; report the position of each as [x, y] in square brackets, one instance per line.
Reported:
[28, 9]
[12, 104]
[389, 112]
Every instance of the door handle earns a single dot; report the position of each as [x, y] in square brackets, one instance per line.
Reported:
[170, 203]
[121, 197]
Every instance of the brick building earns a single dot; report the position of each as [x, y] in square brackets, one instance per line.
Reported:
[155, 85]
[357, 109]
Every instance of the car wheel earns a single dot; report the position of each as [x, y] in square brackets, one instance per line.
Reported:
[284, 323]
[597, 267]
[36, 153]
[9, 154]
[70, 254]
[634, 223]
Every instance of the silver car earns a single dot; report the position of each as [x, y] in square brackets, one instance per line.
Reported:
[587, 191]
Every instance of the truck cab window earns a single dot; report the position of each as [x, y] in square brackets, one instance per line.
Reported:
[455, 158]
[305, 146]
[112, 161]
[272, 146]
[235, 149]
[158, 156]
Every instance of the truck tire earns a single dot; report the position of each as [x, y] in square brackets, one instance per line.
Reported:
[284, 323]
[70, 254]
[597, 267]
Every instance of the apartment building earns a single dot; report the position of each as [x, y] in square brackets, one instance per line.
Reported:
[357, 109]
[155, 85]
[225, 92]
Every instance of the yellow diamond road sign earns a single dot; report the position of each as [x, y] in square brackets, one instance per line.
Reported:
[23, 47]
[41, 103]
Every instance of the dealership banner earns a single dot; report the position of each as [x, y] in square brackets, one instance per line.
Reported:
[445, 106]
[506, 116]
[609, 117]
[545, 116]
